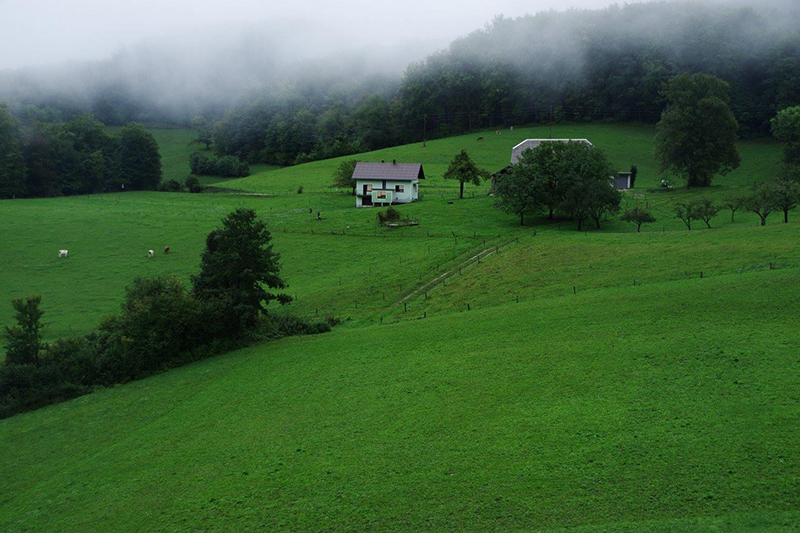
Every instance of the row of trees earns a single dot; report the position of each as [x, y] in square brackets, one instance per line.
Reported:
[74, 157]
[161, 323]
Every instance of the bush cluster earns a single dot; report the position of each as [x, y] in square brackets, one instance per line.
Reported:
[161, 324]
[226, 166]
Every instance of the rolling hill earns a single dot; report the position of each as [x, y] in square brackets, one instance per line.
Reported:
[565, 396]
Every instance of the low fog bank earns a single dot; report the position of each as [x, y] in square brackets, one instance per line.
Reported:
[173, 78]
[213, 69]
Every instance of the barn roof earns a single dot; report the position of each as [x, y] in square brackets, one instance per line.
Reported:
[530, 144]
[388, 171]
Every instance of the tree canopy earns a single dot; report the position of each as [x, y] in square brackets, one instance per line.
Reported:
[464, 169]
[696, 137]
[237, 264]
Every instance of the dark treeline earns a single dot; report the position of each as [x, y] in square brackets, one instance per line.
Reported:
[44, 156]
[576, 66]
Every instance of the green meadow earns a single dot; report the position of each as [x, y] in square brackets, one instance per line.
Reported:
[599, 380]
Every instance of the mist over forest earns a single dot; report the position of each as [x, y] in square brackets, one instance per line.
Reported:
[274, 95]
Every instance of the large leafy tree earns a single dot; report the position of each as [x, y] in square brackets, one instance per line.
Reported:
[515, 193]
[236, 266]
[12, 164]
[786, 128]
[343, 175]
[464, 169]
[696, 137]
[139, 162]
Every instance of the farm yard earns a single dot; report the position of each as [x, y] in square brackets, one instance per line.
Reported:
[601, 379]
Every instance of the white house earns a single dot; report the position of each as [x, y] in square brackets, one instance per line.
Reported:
[530, 144]
[387, 183]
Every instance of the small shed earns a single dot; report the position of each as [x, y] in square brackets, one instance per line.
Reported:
[623, 180]
[387, 183]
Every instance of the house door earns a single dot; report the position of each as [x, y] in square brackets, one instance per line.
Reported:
[366, 198]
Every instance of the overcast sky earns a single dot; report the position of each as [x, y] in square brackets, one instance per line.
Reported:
[47, 32]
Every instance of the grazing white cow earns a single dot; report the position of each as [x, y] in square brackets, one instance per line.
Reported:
[63, 253]
[150, 253]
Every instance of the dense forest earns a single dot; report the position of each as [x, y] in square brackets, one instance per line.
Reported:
[577, 66]
[74, 157]
[573, 66]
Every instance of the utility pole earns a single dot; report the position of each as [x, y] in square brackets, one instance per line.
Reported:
[424, 130]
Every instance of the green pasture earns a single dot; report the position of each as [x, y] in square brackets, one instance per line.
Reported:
[670, 407]
[596, 382]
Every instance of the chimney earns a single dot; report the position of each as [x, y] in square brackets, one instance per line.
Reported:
[394, 161]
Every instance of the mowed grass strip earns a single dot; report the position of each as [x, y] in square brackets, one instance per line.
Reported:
[668, 405]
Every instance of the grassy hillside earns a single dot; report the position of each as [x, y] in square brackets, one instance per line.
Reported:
[669, 406]
[344, 264]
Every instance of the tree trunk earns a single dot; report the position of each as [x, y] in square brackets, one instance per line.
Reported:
[639, 228]
[785, 216]
[550, 216]
[461, 194]
[733, 212]
[763, 221]
[580, 224]
[522, 219]
[597, 221]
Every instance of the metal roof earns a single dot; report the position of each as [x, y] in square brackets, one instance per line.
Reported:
[388, 171]
[530, 144]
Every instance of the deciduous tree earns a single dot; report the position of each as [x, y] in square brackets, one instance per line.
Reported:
[464, 169]
[139, 161]
[638, 216]
[696, 137]
[343, 175]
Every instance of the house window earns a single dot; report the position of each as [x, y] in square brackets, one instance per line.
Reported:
[381, 195]
[368, 188]
[399, 188]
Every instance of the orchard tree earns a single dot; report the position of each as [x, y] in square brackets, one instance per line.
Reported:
[706, 210]
[139, 160]
[464, 169]
[787, 196]
[786, 128]
[763, 201]
[12, 164]
[687, 212]
[343, 175]
[696, 137]
[237, 264]
[638, 216]
[733, 204]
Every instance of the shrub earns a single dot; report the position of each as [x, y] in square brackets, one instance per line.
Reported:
[171, 186]
[226, 166]
[159, 321]
[300, 190]
[390, 215]
[193, 184]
